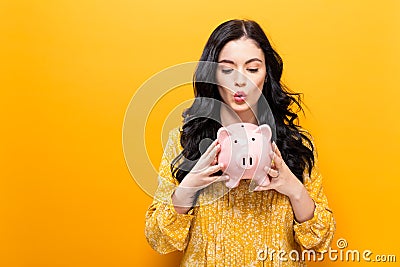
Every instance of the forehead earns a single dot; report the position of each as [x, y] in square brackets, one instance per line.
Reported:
[241, 50]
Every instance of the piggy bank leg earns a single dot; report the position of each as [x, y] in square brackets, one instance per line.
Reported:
[232, 183]
[262, 180]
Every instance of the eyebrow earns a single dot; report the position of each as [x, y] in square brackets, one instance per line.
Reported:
[247, 62]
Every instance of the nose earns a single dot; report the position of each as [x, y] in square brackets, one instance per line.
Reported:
[247, 161]
[240, 83]
[240, 79]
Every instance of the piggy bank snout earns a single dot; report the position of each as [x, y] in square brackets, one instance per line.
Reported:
[247, 161]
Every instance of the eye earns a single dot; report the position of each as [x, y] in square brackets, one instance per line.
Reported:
[226, 71]
[235, 141]
[253, 139]
[253, 70]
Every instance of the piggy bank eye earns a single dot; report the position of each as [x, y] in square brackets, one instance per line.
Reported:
[253, 139]
[235, 141]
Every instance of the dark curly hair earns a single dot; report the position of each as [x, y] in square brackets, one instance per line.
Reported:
[201, 120]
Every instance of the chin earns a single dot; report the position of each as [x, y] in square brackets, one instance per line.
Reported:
[239, 107]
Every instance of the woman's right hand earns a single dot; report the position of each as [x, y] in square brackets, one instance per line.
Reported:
[199, 177]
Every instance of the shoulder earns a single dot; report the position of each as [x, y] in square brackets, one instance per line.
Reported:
[174, 139]
[175, 133]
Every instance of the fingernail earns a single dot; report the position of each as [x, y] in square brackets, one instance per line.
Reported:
[221, 165]
[226, 177]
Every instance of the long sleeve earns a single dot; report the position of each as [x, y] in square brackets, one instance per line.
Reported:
[316, 233]
[165, 229]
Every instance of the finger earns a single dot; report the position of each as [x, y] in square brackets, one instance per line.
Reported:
[272, 155]
[276, 149]
[265, 182]
[216, 150]
[273, 173]
[265, 187]
[213, 179]
[221, 178]
[258, 188]
[208, 158]
[213, 153]
[213, 169]
[215, 161]
[277, 161]
[261, 188]
[211, 147]
[211, 156]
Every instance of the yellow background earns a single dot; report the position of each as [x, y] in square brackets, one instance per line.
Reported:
[69, 69]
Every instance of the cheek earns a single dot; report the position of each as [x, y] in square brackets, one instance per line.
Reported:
[222, 92]
[256, 95]
[224, 81]
[259, 82]
[256, 90]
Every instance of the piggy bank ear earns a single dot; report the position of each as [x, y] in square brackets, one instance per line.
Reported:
[265, 130]
[222, 134]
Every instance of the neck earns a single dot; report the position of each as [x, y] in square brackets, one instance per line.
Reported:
[228, 116]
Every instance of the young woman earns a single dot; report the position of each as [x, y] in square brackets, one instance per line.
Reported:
[192, 210]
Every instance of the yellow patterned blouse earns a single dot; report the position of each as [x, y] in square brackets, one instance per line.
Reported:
[236, 227]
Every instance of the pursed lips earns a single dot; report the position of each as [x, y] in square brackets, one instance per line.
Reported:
[239, 96]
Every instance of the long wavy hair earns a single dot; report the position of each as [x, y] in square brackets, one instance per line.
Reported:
[201, 120]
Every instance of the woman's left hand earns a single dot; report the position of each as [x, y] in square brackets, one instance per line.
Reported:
[281, 177]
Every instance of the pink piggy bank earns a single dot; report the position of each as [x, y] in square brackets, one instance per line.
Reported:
[245, 149]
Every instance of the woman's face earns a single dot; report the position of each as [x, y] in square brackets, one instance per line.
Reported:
[241, 74]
